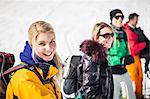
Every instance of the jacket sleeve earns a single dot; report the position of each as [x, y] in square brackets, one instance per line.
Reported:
[68, 88]
[134, 45]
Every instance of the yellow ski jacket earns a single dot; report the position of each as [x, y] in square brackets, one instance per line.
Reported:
[25, 84]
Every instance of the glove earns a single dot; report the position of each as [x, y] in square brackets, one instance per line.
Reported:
[127, 60]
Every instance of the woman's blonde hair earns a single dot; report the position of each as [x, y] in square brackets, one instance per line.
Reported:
[36, 28]
[97, 28]
[42, 27]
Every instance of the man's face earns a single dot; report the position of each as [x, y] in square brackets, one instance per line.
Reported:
[134, 21]
[117, 20]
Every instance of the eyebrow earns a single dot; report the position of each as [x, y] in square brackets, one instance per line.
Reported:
[41, 41]
[53, 39]
[50, 40]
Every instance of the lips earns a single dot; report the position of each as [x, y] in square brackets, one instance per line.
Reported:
[47, 54]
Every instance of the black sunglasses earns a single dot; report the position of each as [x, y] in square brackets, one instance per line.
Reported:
[107, 35]
[119, 16]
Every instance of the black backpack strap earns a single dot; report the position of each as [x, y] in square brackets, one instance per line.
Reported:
[70, 81]
[76, 61]
[32, 68]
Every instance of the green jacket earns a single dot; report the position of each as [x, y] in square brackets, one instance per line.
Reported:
[119, 48]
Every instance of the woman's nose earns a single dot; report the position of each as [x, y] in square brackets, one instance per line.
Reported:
[47, 48]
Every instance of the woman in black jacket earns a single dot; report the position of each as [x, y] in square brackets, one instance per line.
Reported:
[90, 77]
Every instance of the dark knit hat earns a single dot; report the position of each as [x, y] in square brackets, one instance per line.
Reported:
[114, 12]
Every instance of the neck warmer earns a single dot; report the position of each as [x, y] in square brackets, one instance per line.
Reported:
[119, 33]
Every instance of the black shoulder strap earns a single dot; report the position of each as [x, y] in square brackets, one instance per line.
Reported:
[32, 68]
[75, 61]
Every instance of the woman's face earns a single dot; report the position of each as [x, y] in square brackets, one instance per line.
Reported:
[105, 37]
[45, 46]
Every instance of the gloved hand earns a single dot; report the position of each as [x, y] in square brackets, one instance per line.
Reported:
[127, 60]
[146, 68]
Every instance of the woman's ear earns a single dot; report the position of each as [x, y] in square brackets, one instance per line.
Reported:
[96, 38]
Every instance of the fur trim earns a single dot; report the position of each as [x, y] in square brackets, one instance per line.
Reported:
[93, 49]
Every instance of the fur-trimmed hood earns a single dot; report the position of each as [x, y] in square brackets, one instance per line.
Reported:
[93, 49]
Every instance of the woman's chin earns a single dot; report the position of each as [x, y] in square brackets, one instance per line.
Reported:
[48, 59]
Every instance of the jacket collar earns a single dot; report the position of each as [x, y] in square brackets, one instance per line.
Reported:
[51, 73]
[131, 25]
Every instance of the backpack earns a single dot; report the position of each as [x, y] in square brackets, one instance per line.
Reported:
[144, 53]
[86, 83]
[6, 66]
[142, 38]
[6, 61]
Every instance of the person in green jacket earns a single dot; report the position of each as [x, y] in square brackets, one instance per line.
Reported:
[117, 52]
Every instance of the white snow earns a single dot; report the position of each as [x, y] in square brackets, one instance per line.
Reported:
[72, 20]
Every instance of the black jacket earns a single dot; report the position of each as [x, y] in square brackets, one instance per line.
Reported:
[89, 78]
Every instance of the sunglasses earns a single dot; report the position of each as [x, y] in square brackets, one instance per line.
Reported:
[119, 16]
[107, 35]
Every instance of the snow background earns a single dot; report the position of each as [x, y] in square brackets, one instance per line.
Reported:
[72, 20]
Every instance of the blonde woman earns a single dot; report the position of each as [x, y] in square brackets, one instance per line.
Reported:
[39, 54]
[92, 79]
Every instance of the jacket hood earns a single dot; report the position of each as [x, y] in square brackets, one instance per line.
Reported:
[93, 49]
[26, 55]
